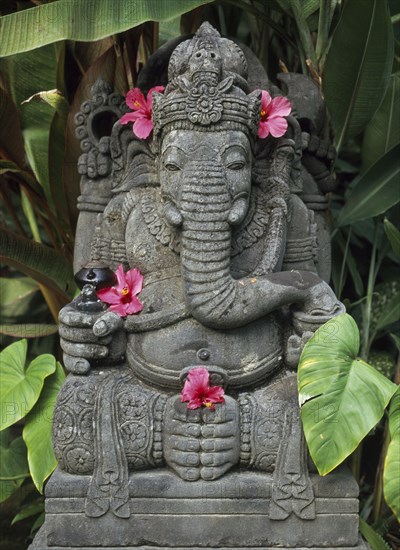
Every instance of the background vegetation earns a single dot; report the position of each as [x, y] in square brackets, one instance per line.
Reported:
[51, 53]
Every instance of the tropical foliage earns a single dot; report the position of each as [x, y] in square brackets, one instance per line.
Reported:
[51, 53]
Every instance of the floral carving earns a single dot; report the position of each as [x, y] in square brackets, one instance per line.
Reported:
[134, 435]
[204, 106]
[63, 425]
[132, 405]
[79, 460]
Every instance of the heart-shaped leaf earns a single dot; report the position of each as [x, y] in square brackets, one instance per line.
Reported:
[20, 388]
[342, 397]
[391, 473]
[37, 430]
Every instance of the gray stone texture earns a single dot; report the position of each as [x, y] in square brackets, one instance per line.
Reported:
[230, 234]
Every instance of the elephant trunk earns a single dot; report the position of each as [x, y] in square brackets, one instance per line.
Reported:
[213, 296]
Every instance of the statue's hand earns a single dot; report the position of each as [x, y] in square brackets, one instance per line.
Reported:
[86, 338]
[201, 443]
[321, 301]
[294, 348]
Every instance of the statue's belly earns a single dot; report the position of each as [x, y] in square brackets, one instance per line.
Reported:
[248, 354]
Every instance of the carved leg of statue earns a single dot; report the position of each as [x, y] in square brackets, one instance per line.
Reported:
[201, 443]
[292, 491]
[106, 424]
[277, 444]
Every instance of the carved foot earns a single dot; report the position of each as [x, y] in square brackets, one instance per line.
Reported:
[201, 444]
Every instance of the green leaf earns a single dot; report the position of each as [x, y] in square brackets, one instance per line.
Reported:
[396, 340]
[308, 6]
[37, 261]
[27, 75]
[358, 66]
[28, 330]
[342, 398]
[391, 473]
[11, 142]
[37, 430]
[8, 166]
[86, 21]
[373, 538]
[373, 192]
[15, 296]
[390, 314]
[54, 98]
[28, 511]
[393, 234]
[20, 388]
[13, 464]
[383, 131]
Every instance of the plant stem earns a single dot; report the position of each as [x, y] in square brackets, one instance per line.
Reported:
[304, 32]
[14, 478]
[324, 22]
[378, 489]
[346, 249]
[366, 343]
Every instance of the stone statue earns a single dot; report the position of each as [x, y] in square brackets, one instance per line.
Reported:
[228, 231]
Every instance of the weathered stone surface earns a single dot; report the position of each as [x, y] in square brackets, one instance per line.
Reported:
[230, 235]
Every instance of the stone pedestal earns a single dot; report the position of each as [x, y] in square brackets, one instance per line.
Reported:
[230, 513]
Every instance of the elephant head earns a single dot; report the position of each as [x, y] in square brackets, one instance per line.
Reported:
[205, 131]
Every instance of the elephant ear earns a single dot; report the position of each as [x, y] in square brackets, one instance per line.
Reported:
[133, 162]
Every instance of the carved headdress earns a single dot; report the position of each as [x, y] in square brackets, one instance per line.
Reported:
[207, 88]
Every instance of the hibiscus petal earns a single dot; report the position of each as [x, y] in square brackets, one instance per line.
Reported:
[119, 309]
[194, 404]
[277, 126]
[265, 100]
[158, 89]
[263, 130]
[134, 306]
[199, 379]
[109, 295]
[280, 106]
[215, 394]
[128, 117]
[135, 100]
[121, 279]
[135, 281]
[142, 128]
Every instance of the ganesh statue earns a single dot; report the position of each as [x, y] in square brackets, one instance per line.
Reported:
[202, 251]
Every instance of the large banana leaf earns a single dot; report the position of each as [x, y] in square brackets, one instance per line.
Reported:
[391, 474]
[37, 430]
[37, 261]
[373, 192]
[27, 75]
[342, 398]
[85, 21]
[358, 66]
[11, 143]
[383, 132]
[20, 388]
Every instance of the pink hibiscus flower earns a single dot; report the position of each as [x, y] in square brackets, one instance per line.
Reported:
[198, 392]
[272, 115]
[142, 109]
[122, 296]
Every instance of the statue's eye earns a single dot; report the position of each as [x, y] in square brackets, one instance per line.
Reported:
[237, 165]
[171, 167]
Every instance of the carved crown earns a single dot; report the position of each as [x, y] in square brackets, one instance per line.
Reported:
[207, 87]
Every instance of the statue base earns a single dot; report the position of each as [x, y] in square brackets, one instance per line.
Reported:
[230, 513]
